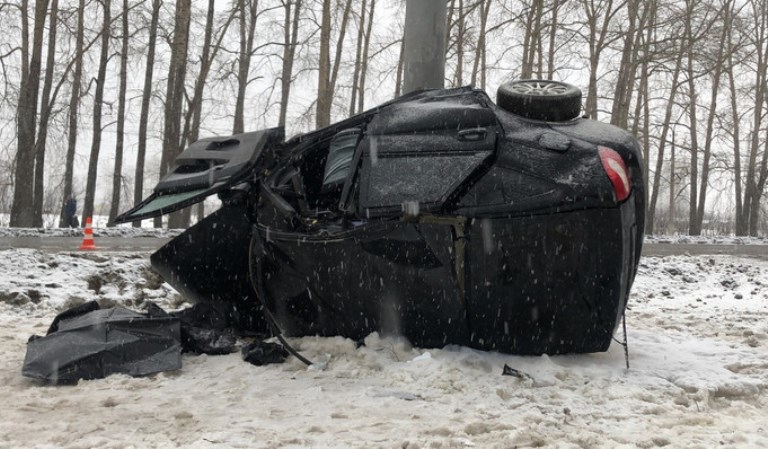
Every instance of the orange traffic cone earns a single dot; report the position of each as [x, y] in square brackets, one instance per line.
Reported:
[88, 236]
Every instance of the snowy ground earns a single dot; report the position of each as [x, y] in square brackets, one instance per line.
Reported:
[706, 239]
[698, 335]
[98, 231]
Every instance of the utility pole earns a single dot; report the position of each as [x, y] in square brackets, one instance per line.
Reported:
[425, 28]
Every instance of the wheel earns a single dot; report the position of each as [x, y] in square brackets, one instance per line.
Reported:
[540, 99]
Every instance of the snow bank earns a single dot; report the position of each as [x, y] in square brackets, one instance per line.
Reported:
[698, 330]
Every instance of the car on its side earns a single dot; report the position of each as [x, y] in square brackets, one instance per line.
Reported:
[439, 216]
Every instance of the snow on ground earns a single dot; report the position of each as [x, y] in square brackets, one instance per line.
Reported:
[706, 239]
[119, 231]
[698, 340]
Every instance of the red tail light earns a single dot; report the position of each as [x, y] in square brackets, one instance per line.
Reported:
[617, 172]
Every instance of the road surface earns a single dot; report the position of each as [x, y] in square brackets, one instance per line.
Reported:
[112, 244]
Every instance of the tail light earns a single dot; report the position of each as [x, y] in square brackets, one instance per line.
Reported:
[617, 172]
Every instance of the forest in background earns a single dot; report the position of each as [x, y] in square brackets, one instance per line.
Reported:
[97, 97]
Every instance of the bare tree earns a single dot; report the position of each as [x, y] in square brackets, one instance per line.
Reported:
[193, 116]
[327, 73]
[553, 27]
[741, 227]
[74, 107]
[400, 68]
[691, 41]
[599, 14]
[247, 20]
[117, 177]
[718, 62]
[22, 212]
[290, 42]
[532, 36]
[656, 186]
[93, 162]
[479, 65]
[359, 61]
[45, 116]
[146, 97]
[629, 61]
[174, 98]
[672, 184]
[753, 190]
[364, 64]
[459, 43]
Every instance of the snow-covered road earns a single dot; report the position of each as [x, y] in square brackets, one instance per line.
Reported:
[698, 338]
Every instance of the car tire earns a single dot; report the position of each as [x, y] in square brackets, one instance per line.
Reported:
[546, 100]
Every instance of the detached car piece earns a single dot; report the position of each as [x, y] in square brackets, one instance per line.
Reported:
[439, 216]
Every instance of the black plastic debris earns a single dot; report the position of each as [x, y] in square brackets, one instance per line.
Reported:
[263, 353]
[509, 371]
[205, 328]
[207, 341]
[91, 344]
[73, 312]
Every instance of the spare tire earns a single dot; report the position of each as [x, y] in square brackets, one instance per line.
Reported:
[540, 99]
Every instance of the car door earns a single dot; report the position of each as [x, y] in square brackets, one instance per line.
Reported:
[208, 166]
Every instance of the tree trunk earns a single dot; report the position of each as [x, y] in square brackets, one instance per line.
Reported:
[323, 109]
[646, 129]
[552, 39]
[656, 188]
[359, 63]
[400, 69]
[693, 122]
[248, 18]
[339, 49]
[719, 61]
[74, 107]
[194, 112]
[146, 98]
[193, 117]
[366, 48]
[672, 169]
[530, 37]
[740, 227]
[752, 192]
[754, 218]
[174, 97]
[597, 43]
[623, 93]
[449, 25]
[22, 212]
[477, 65]
[460, 32]
[291, 33]
[117, 177]
[45, 115]
[93, 162]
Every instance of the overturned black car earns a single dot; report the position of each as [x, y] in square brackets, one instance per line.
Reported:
[439, 216]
